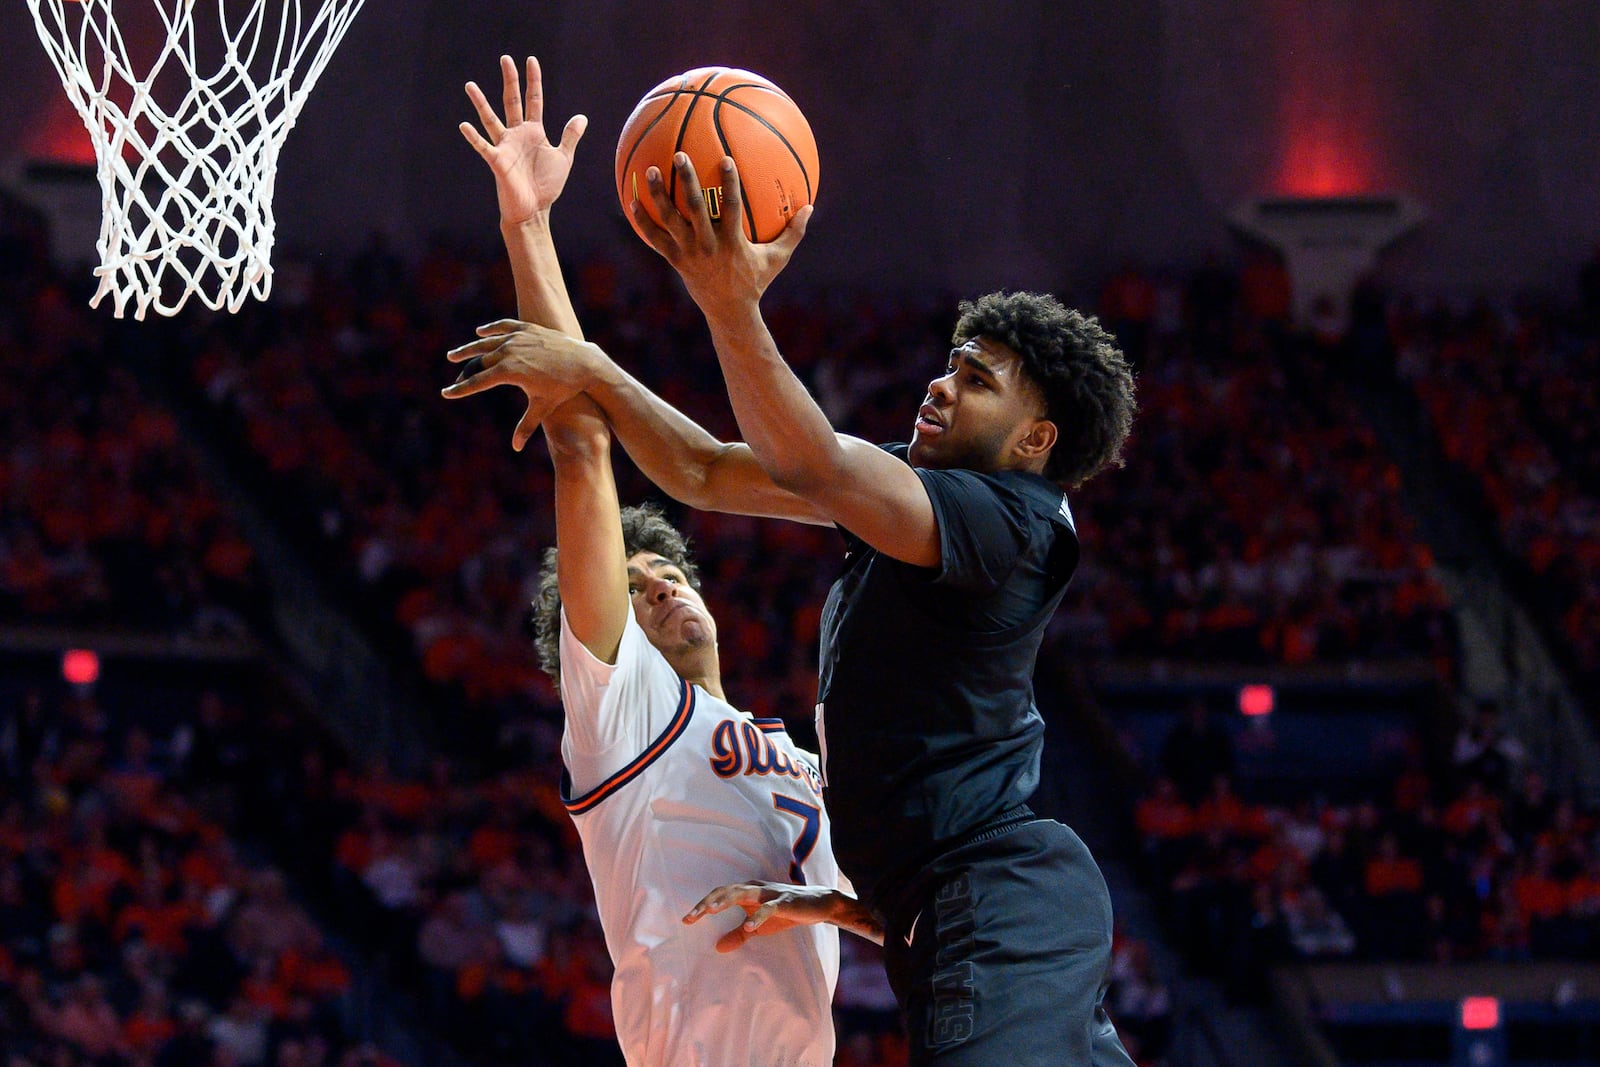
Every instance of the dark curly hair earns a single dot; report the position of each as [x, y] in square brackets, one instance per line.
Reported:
[644, 529]
[1087, 384]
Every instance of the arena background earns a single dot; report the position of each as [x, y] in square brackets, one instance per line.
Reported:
[953, 136]
[277, 769]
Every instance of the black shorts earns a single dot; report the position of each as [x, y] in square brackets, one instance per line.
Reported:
[1000, 954]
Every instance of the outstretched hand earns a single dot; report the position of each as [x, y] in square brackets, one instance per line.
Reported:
[772, 907]
[722, 269]
[529, 171]
[548, 366]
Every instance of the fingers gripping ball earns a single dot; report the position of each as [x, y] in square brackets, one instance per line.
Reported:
[711, 112]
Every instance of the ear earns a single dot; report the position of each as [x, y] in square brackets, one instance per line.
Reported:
[1035, 445]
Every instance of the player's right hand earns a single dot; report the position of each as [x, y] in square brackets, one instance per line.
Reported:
[549, 367]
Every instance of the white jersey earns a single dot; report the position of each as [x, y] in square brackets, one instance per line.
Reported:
[675, 792]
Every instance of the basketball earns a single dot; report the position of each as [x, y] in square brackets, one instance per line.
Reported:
[711, 112]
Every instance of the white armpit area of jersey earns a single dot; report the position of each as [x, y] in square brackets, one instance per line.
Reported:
[613, 712]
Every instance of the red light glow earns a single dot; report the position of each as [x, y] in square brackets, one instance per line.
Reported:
[79, 666]
[1256, 700]
[1480, 1013]
[1323, 160]
[1332, 89]
[59, 137]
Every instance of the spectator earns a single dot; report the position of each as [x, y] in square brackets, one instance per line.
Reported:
[1138, 999]
[88, 1022]
[1485, 753]
[1317, 931]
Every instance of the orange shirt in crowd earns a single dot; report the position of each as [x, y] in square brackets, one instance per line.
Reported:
[588, 1012]
[317, 975]
[267, 994]
[1539, 897]
[146, 1033]
[490, 845]
[1398, 875]
[160, 925]
[1164, 819]
[354, 850]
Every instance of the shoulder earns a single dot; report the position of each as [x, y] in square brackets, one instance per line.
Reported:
[1028, 500]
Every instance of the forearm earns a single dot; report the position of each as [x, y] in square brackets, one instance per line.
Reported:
[542, 295]
[850, 914]
[683, 459]
[778, 418]
[668, 447]
[591, 571]
[542, 298]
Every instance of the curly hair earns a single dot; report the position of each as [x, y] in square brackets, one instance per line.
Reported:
[1087, 383]
[644, 529]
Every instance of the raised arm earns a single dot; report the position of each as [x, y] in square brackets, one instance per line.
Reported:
[592, 562]
[530, 174]
[861, 487]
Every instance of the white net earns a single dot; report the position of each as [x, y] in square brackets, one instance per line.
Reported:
[187, 118]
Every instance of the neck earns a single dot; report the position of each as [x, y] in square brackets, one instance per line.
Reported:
[710, 681]
[707, 676]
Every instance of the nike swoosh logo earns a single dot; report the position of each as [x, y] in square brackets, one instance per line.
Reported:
[913, 931]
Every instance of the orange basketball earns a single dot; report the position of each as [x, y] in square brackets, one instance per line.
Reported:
[711, 112]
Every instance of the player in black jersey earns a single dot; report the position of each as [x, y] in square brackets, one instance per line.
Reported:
[996, 924]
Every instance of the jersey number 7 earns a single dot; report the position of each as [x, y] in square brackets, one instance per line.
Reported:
[810, 817]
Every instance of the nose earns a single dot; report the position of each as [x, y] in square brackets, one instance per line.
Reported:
[939, 389]
[657, 590]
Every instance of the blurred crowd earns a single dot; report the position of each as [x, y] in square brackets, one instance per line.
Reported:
[1511, 392]
[1470, 856]
[1257, 520]
[105, 519]
[136, 929]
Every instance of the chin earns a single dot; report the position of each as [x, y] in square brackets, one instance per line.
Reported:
[698, 635]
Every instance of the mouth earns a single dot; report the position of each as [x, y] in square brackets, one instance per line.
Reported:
[929, 422]
[669, 611]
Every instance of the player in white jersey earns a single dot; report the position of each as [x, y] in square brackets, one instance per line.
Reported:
[672, 789]
[670, 785]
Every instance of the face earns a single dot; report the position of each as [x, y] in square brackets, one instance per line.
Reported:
[978, 413]
[670, 612]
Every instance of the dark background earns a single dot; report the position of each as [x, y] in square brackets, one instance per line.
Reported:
[969, 145]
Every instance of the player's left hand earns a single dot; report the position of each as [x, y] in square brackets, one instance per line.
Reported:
[529, 171]
[773, 907]
[721, 268]
[549, 367]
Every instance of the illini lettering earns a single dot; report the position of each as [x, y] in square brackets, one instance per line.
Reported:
[742, 748]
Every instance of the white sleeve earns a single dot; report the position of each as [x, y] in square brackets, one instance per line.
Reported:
[613, 712]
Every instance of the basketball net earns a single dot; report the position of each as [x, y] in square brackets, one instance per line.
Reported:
[186, 140]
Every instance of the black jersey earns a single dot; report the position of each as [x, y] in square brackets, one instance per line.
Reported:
[926, 688]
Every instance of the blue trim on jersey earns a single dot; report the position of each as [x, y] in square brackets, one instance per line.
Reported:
[653, 752]
[770, 726]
